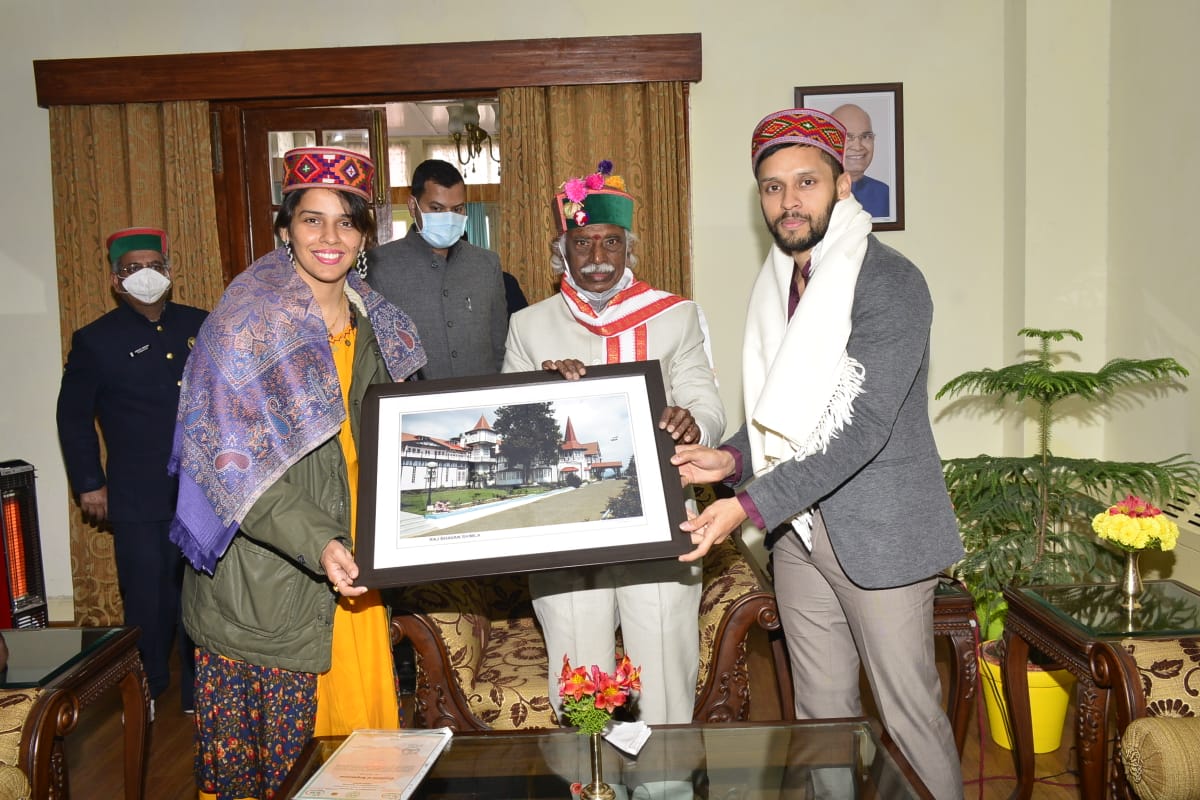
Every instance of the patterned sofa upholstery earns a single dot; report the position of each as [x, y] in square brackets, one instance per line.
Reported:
[15, 705]
[1154, 685]
[482, 662]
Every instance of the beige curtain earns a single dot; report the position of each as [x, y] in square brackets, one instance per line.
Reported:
[554, 133]
[115, 166]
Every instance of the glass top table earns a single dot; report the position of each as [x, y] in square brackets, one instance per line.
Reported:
[37, 656]
[1065, 622]
[837, 758]
[1168, 608]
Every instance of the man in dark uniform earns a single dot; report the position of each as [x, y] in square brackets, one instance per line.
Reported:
[124, 370]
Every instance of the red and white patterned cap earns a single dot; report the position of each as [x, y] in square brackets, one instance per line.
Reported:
[798, 126]
[328, 168]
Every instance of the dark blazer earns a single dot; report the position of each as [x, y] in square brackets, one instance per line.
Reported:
[124, 371]
[457, 303]
[879, 484]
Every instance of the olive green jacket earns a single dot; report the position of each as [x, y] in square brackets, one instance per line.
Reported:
[268, 602]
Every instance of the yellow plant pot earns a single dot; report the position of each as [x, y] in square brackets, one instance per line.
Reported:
[1049, 694]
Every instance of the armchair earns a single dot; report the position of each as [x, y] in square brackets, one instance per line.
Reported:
[482, 662]
[1153, 685]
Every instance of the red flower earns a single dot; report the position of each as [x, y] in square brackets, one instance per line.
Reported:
[609, 693]
[629, 676]
[591, 696]
[574, 682]
[1134, 506]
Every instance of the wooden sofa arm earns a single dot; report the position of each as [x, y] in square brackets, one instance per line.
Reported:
[725, 694]
[438, 699]
[1114, 669]
[736, 598]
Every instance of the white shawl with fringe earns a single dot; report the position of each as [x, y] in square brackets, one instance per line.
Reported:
[799, 383]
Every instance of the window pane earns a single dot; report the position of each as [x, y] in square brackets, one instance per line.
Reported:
[358, 140]
[278, 143]
[398, 163]
[480, 169]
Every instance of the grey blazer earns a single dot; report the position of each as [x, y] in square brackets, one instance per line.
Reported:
[457, 303]
[879, 485]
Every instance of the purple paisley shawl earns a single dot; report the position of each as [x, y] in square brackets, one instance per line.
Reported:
[259, 392]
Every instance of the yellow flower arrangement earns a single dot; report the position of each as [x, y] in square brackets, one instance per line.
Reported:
[1134, 524]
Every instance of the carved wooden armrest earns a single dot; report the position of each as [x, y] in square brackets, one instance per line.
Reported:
[735, 599]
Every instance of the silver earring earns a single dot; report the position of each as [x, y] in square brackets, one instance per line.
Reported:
[291, 254]
[361, 266]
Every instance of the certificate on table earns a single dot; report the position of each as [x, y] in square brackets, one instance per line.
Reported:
[377, 765]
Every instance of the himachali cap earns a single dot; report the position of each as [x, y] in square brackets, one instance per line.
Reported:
[798, 126]
[129, 239]
[596, 199]
[328, 168]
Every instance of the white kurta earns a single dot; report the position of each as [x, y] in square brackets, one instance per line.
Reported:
[656, 603]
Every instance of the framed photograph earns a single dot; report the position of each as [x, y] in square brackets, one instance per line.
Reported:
[873, 114]
[515, 473]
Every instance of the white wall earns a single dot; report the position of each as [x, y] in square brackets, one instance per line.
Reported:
[1008, 188]
[1153, 276]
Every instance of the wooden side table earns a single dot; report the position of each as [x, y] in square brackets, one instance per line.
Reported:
[1065, 623]
[954, 618]
[70, 668]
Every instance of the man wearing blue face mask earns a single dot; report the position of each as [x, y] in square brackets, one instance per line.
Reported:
[124, 370]
[450, 288]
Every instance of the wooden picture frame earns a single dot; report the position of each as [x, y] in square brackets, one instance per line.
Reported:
[879, 185]
[442, 497]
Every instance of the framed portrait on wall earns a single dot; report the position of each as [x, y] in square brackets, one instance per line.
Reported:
[873, 114]
[514, 473]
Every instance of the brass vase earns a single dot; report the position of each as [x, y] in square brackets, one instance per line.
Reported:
[597, 789]
[1131, 581]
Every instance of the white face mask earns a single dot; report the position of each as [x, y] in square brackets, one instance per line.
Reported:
[147, 285]
[442, 229]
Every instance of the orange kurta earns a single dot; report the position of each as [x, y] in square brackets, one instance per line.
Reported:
[359, 690]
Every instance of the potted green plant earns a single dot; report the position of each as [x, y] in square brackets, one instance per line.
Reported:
[1027, 519]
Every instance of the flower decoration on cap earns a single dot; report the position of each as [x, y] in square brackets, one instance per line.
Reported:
[595, 199]
[798, 126]
[328, 168]
[129, 239]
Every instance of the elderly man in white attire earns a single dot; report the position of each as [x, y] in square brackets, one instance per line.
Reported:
[603, 314]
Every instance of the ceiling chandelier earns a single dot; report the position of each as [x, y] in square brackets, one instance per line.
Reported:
[465, 131]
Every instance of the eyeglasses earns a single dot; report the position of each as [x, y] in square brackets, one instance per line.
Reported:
[610, 244]
[125, 270]
[865, 137]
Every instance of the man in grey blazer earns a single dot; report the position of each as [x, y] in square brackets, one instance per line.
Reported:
[837, 459]
[450, 288]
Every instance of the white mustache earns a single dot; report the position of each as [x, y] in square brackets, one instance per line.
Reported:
[590, 269]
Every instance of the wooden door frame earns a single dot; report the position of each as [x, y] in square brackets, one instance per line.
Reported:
[350, 75]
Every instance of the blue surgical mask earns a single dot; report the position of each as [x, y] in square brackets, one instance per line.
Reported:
[442, 229]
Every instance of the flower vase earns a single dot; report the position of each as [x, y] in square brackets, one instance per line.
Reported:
[1131, 581]
[597, 789]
